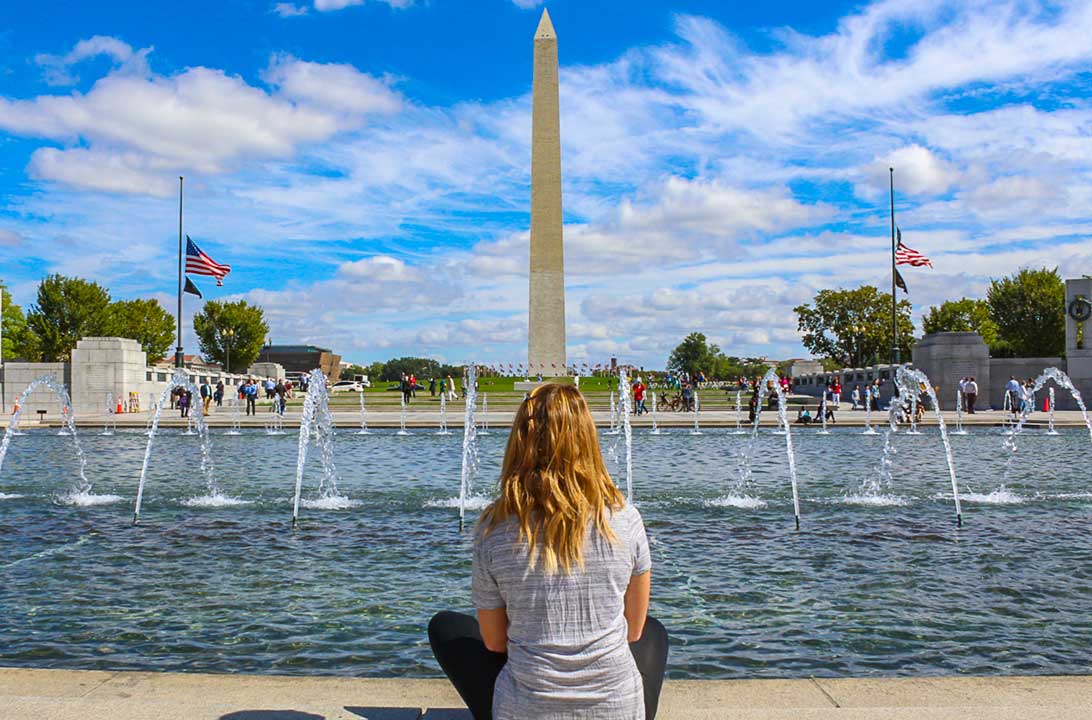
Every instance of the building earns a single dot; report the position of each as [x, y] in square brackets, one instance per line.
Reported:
[297, 359]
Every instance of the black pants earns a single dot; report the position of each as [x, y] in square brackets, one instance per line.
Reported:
[251, 405]
[457, 644]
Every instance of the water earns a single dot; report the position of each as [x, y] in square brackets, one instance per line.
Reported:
[697, 428]
[746, 460]
[443, 417]
[236, 421]
[1050, 420]
[213, 494]
[316, 427]
[869, 430]
[739, 413]
[402, 417]
[864, 589]
[626, 409]
[469, 460]
[111, 423]
[959, 414]
[364, 414]
[655, 427]
[823, 414]
[484, 429]
[910, 380]
[81, 492]
[613, 415]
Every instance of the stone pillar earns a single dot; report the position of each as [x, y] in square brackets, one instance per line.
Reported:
[1078, 359]
[106, 365]
[948, 357]
[546, 316]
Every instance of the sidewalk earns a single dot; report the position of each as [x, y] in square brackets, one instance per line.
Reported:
[93, 695]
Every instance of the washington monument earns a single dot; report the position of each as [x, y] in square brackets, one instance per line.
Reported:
[546, 317]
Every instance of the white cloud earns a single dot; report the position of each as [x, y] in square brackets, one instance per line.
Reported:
[337, 87]
[328, 5]
[918, 171]
[288, 10]
[10, 238]
[57, 68]
[146, 127]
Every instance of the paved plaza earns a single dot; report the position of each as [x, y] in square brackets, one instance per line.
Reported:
[79, 695]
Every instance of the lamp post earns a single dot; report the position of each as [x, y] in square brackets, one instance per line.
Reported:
[229, 336]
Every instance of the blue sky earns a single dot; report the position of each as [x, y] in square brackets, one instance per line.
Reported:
[364, 166]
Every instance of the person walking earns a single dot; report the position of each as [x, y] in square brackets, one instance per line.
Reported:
[218, 396]
[639, 397]
[836, 393]
[561, 580]
[432, 386]
[206, 396]
[451, 395]
[404, 386]
[281, 393]
[250, 392]
[855, 396]
[413, 385]
[971, 395]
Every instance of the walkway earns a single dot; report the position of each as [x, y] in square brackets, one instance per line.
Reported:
[93, 695]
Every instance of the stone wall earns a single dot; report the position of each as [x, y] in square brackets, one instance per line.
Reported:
[948, 357]
[18, 375]
[1023, 368]
[1078, 354]
[813, 384]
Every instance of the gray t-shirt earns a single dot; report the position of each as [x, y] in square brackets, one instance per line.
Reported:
[567, 652]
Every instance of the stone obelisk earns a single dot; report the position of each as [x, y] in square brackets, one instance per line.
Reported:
[546, 317]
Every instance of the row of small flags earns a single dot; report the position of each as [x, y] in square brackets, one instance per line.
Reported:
[198, 263]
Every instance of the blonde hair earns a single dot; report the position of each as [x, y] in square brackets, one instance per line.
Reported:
[553, 481]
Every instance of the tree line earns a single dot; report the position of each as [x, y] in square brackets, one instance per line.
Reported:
[1022, 315]
[69, 308]
[391, 370]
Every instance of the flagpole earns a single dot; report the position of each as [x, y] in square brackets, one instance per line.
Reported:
[178, 357]
[894, 302]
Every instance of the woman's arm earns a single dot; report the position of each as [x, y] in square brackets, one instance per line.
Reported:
[636, 604]
[494, 627]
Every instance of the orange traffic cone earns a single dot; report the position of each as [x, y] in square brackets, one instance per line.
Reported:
[119, 410]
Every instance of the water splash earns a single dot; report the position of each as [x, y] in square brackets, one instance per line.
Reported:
[626, 409]
[484, 430]
[869, 430]
[613, 415]
[697, 410]
[402, 417]
[470, 443]
[770, 379]
[959, 414]
[236, 421]
[744, 502]
[909, 379]
[364, 414]
[1050, 419]
[49, 382]
[823, 413]
[317, 424]
[739, 413]
[443, 417]
[655, 426]
[110, 424]
[180, 379]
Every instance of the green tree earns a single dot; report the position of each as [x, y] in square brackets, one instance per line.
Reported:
[67, 309]
[853, 327]
[963, 315]
[693, 355]
[18, 342]
[352, 371]
[1028, 309]
[144, 321]
[231, 330]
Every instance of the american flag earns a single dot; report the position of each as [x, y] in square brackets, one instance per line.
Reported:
[198, 263]
[909, 256]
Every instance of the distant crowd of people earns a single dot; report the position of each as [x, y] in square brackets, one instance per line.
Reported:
[247, 391]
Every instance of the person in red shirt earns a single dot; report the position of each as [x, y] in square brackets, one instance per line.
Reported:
[639, 398]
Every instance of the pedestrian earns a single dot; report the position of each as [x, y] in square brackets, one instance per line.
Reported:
[281, 393]
[432, 386]
[971, 395]
[639, 397]
[206, 396]
[250, 392]
[404, 386]
[184, 402]
[413, 385]
[836, 390]
[218, 396]
[451, 389]
[855, 396]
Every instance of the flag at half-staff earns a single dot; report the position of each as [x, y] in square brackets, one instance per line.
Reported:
[199, 263]
[908, 256]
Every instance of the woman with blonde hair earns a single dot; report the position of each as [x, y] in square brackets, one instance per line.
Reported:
[561, 583]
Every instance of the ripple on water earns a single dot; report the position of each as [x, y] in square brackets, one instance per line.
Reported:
[745, 502]
[87, 499]
[1000, 496]
[10, 496]
[474, 502]
[334, 502]
[876, 500]
[215, 501]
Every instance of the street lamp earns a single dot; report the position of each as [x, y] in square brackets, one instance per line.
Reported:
[229, 334]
